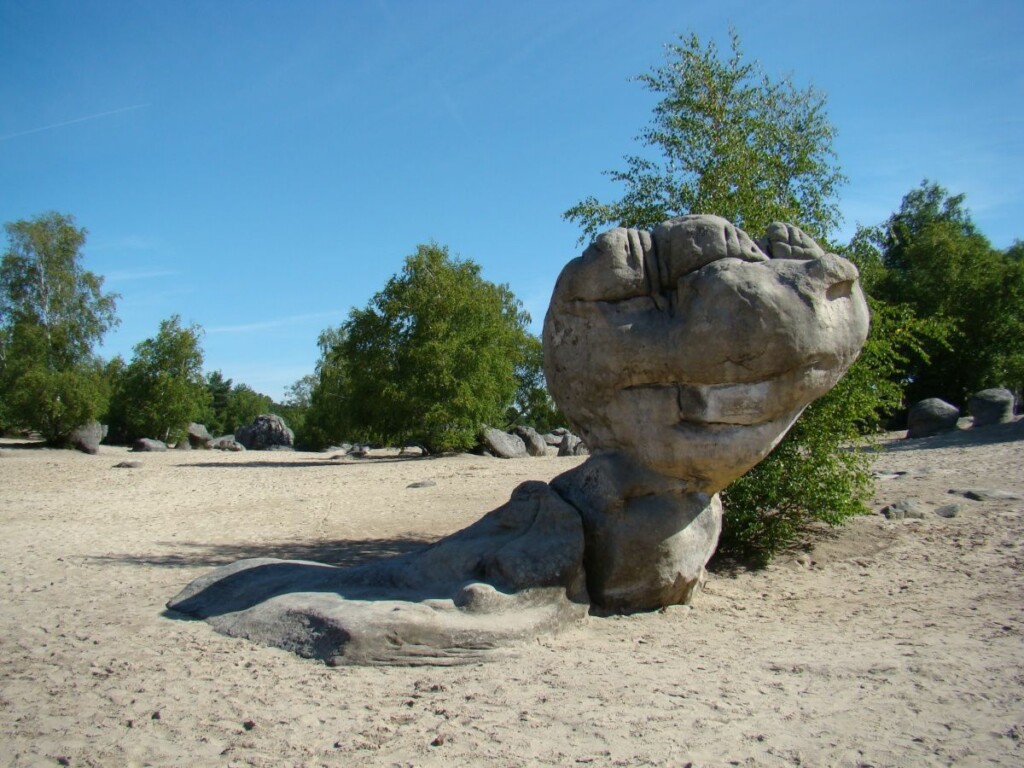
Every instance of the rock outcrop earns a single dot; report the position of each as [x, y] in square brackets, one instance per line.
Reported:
[680, 357]
[265, 432]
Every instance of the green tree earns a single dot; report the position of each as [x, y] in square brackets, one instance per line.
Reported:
[931, 258]
[725, 139]
[215, 416]
[533, 405]
[728, 140]
[432, 358]
[52, 313]
[162, 389]
[326, 419]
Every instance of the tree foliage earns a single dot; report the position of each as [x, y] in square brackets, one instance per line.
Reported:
[162, 389]
[431, 359]
[729, 140]
[726, 139]
[930, 258]
[52, 313]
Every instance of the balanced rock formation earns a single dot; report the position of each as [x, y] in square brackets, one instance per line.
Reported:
[681, 357]
[991, 406]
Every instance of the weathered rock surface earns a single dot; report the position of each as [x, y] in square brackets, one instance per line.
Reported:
[87, 438]
[149, 445]
[535, 444]
[266, 431]
[697, 367]
[516, 572]
[199, 436]
[991, 406]
[502, 444]
[930, 417]
[680, 357]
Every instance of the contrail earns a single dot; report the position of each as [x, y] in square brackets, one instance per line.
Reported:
[72, 122]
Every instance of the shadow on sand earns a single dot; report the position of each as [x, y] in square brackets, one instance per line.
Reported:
[341, 552]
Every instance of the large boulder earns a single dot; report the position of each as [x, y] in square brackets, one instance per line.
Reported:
[535, 445]
[149, 445]
[87, 438]
[266, 431]
[199, 436]
[694, 352]
[502, 444]
[930, 417]
[991, 406]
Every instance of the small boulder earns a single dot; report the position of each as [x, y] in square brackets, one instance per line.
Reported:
[266, 430]
[87, 438]
[907, 509]
[148, 445]
[226, 443]
[991, 406]
[199, 436]
[183, 445]
[535, 444]
[502, 444]
[930, 417]
[571, 445]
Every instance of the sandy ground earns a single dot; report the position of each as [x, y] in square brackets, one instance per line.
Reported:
[893, 643]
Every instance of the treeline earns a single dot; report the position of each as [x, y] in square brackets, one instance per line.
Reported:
[436, 356]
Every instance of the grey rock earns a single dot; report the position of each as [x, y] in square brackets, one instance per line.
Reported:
[502, 444]
[991, 406]
[948, 510]
[907, 509]
[985, 494]
[572, 445]
[552, 440]
[267, 430]
[648, 537]
[511, 575]
[422, 484]
[128, 465]
[148, 445]
[183, 445]
[535, 444]
[87, 438]
[930, 417]
[697, 371]
[226, 443]
[199, 436]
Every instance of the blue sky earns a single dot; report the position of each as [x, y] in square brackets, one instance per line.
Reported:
[261, 167]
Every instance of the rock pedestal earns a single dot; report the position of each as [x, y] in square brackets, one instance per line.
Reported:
[680, 357]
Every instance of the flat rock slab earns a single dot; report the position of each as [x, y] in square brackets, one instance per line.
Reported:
[514, 574]
[985, 494]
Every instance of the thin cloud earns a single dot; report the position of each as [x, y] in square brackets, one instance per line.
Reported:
[264, 325]
[138, 274]
[77, 120]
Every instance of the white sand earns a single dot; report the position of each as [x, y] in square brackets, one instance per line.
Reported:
[892, 644]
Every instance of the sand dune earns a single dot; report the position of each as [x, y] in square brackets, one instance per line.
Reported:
[891, 643]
